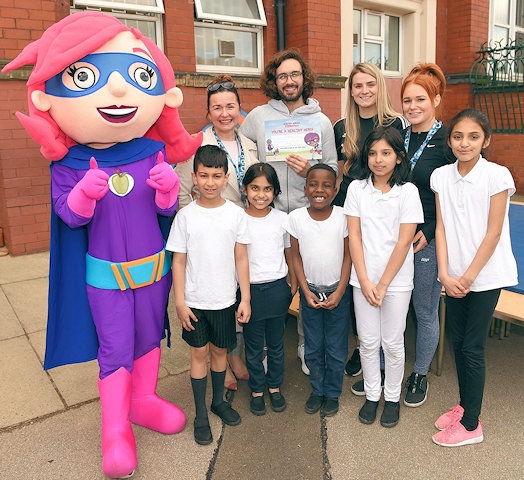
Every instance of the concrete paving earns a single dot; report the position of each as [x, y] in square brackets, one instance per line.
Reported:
[50, 421]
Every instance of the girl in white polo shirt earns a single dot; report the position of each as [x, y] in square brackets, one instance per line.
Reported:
[475, 261]
[269, 254]
[383, 210]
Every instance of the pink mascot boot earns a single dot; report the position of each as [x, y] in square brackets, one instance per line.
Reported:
[147, 408]
[118, 441]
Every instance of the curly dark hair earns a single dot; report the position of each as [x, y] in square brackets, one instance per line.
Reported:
[268, 82]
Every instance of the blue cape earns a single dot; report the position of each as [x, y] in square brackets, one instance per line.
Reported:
[71, 335]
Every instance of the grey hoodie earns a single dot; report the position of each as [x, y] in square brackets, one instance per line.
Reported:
[292, 185]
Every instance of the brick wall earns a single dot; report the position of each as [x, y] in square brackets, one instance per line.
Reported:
[24, 173]
[313, 26]
[456, 47]
[23, 22]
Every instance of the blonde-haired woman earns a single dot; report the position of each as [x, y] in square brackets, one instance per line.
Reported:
[368, 107]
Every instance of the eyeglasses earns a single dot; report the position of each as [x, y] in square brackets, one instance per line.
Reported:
[284, 76]
[213, 87]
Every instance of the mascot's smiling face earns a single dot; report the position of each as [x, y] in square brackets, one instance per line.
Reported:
[113, 95]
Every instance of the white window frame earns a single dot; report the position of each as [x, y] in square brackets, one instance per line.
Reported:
[379, 40]
[123, 5]
[209, 20]
[203, 15]
[511, 26]
[124, 16]
[202, 68]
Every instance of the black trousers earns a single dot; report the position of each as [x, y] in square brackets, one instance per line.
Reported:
[469, 321]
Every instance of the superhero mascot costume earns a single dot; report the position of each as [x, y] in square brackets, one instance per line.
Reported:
[103, 106]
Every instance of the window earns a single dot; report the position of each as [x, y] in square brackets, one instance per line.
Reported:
[507, 22]
[239, 11]
[229, 34]
[376, 39]
[144, 15]
[146, 6]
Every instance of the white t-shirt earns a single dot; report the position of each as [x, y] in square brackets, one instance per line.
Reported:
[321, 244]
[266, 250]
[464, 204]
[208, 237]
[380, 217]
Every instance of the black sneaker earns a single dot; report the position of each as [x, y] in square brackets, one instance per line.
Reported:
[417, 390]
[202, 432]
[227, 414]
[358, 387]
[390, 415]
[353, 367]
[368, 412]
[257, 405]
[330, 407]
[278, 402]
[313, 404]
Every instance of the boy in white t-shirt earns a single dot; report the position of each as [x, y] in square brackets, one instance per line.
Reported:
[209, 239]
[320, 252]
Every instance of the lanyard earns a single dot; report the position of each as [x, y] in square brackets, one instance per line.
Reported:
[436, 125]
[240, 168]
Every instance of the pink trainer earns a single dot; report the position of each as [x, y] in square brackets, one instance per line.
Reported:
[454, 415]
[456, 436]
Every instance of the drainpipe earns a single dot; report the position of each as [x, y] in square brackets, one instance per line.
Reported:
[281, 27]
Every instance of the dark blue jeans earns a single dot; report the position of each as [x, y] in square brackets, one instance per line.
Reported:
[326, 345]
[269, 306]
[469, 320]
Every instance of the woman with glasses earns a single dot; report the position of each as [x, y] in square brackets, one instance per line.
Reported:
[223, 111]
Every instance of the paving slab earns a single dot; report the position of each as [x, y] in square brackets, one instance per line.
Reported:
[50, 421]
[27, 392]
[9, 324]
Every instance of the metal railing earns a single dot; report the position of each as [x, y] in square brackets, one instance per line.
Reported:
[497, 85]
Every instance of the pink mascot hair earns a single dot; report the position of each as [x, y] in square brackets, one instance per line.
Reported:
[68, 41]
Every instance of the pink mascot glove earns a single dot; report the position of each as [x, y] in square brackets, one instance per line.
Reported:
[165, 181]
[82, 199]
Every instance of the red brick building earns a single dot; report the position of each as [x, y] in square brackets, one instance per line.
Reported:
[332, 34]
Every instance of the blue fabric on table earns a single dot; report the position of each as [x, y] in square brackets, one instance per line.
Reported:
[516, 227]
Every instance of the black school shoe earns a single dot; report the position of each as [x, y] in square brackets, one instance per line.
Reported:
[226, 413]
[202, 431]
[257, 405]
[390, 415]
[358, 387]
[313, 404]
[353, 366]
[278, 402]
[368, 412]
[330, 407]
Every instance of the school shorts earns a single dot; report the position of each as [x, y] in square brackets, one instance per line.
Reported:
[214, 326]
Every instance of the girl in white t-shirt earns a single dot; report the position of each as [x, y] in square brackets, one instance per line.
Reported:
[269, 255]
[475, 261]
[383, 211]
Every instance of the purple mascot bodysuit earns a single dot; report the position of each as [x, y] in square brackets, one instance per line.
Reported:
[103, 106]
